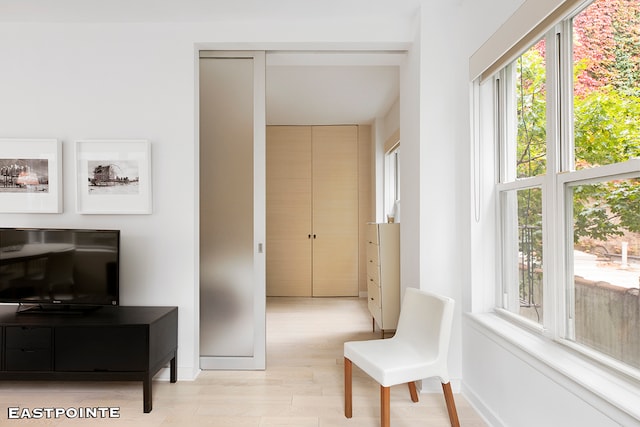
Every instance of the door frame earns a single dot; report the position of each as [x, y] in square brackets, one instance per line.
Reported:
[258, 360]
[378, 54]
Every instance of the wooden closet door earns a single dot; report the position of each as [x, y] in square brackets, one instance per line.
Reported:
[288, 250]
[335, 210]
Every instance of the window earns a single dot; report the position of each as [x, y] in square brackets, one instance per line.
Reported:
[604, 315]
[524, 158]
[392, 183]
[522, 252]
[568, 132]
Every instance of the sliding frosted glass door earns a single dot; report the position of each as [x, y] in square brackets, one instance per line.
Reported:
[232, 296]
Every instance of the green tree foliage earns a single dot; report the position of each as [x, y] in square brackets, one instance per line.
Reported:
[607, 127]
[531, 113]
[606, 116]
[531, 152]
[531, 157]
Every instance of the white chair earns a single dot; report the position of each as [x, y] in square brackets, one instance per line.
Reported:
[418, 350]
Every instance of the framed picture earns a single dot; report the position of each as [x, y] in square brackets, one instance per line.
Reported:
[113, 177]
[30, 176]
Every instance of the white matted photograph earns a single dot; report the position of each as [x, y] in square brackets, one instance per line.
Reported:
[30, 176]
[113, 177]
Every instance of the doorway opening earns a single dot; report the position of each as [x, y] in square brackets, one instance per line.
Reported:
[319, 88]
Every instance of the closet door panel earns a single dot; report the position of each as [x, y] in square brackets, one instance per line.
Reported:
[289, 211]
[335, 210]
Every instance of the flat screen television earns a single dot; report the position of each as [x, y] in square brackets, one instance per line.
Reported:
[55, 269]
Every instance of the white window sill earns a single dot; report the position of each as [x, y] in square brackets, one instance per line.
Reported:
[600, 386]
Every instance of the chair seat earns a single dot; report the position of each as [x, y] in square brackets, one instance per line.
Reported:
[390, 362]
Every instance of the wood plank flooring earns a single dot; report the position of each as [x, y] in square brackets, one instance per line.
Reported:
[301, 387]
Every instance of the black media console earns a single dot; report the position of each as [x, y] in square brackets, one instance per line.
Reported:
[110, 343]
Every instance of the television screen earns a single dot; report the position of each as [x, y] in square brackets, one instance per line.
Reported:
[59, 267]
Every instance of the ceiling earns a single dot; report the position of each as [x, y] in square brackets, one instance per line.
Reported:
[204, 10]
[323, 88]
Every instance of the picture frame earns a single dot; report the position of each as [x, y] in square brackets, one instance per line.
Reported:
[113, 177]
[30, 175]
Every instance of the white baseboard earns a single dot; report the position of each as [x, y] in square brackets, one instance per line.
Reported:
[485, 413]
[184, 374]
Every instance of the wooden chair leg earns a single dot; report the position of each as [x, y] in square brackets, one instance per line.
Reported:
[385, 410]
[451, 405]
[413, 391]
[348, 372]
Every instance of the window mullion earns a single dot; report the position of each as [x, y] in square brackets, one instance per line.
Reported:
[552, 290]
[564, 195]
[509, 207]
[508, 127]
[566, 146]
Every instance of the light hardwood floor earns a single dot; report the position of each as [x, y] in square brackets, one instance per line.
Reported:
[302, 385]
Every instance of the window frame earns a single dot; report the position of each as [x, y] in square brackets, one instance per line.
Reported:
[560, 176]
[392, 181]
[566, 333]
[508, 181]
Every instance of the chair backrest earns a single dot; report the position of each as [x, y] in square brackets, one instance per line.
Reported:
[425, 321]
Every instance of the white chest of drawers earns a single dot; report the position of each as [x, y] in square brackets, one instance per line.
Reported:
[383, 274]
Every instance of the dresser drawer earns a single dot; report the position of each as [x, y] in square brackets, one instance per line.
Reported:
[376, 312]
[372, 234]
[373, 272]
[373, 293]
[19, 337]
[373, 252]
[383, 273]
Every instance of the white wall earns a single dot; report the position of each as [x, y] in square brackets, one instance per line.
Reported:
[116, 81]
[70, 79]
[390, 121]
[436, 195]
[384, 127]
[517, 391]
[430, 173]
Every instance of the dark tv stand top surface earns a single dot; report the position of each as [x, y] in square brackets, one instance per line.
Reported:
[106, 315]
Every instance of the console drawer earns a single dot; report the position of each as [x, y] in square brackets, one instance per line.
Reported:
[27, 348]
[28, 359]
[19, 337]
[98, 349]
